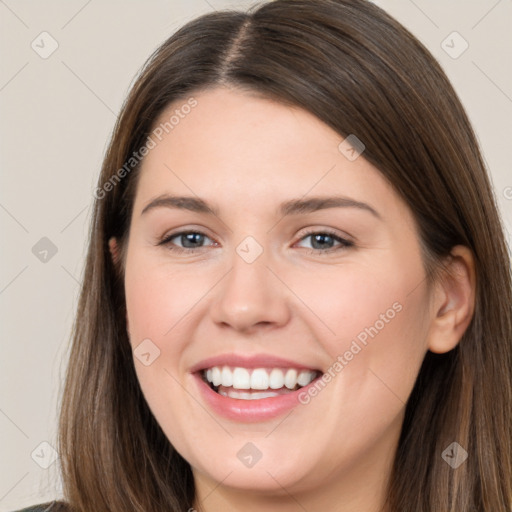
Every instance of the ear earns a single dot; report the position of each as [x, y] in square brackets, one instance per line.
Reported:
[114, 250]
[115, 254]
[453, 304]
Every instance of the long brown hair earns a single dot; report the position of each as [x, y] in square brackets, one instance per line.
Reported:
[362, 73]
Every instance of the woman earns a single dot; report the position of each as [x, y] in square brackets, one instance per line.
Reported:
[297, 293]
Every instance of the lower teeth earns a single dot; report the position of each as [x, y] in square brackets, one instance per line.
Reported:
[255, 395]
[251, 394]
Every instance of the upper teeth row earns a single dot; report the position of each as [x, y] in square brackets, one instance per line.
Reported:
[259, 378]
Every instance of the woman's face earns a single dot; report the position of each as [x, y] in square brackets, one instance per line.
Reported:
[278, 283]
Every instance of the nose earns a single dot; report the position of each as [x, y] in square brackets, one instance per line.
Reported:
[250, 297]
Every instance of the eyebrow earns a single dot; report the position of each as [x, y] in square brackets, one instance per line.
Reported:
[291, 207]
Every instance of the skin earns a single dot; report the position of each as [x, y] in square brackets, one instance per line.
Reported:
[246, 155]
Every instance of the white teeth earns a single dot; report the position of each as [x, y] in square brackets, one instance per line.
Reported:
[247, 396]
[227, 377]
[290, 379]
[241, 379]
[259, 378]
[305, 378]
[276, 379]
[216, 376]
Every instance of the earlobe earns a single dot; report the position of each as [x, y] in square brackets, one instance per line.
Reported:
[113, 247]
[454, 302]
[114, 250]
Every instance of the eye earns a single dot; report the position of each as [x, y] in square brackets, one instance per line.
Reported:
[324, 242]
[190, 240]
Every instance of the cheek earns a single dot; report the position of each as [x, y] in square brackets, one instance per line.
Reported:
[377, 320]
[157, 299]
[376, 352]
[159, 304]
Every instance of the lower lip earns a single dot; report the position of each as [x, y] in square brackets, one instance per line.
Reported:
[249, 411]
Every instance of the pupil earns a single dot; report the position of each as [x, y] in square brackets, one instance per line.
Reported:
[191, 237]
[322, 239]
[319, 240]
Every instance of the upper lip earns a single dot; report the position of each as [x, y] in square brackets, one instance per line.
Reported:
[249, 361]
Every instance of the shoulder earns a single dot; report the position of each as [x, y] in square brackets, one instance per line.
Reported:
[52, 506]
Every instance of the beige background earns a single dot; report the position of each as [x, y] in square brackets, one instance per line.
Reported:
[56, 117]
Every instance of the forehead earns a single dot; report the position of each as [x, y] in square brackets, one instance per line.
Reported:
[234, 125]
[232, 146]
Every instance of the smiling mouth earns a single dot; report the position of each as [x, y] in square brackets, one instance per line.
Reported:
[258, 383]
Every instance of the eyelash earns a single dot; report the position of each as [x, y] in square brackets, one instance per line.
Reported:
[344, 244]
